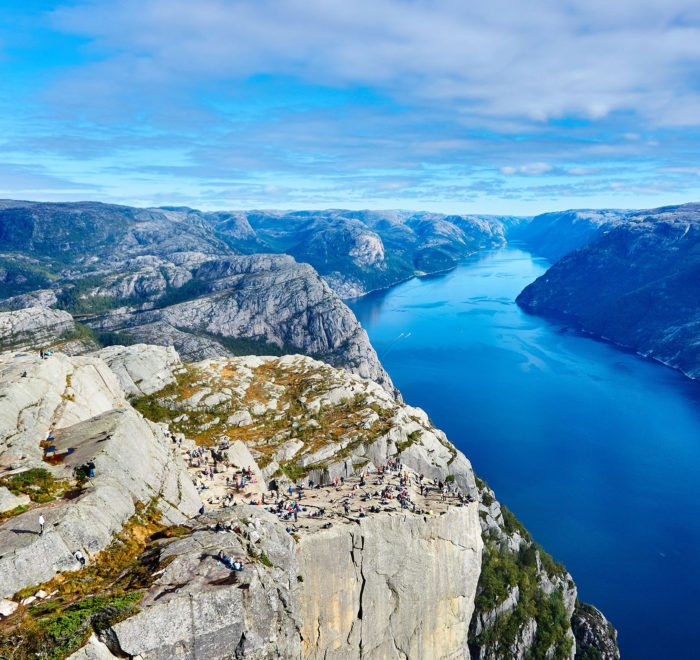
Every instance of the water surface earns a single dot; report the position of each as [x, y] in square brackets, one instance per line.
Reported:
[596, 450]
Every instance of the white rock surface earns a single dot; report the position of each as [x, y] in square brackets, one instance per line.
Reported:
[32, 327]
[142, 368]
[81, 402]
[9, 501]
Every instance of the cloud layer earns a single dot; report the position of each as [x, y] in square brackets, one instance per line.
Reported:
[372, 102]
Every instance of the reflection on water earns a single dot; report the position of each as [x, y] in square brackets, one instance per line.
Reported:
[595, 449]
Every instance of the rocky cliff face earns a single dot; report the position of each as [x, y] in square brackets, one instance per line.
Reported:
[360, 251]
[635, 285]
[33, 327]
[45, 245]
[57, 415]
[164, 276]
[358, 574]
[257, 303]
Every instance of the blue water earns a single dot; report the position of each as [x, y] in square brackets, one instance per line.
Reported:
[594, 449]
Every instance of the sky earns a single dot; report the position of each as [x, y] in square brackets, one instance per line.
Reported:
[498, 107]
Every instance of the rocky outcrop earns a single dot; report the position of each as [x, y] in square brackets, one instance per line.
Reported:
[338, 426]
[9, 500]
[525, 601]
[253, 304]
[78, 404]
[141, 369]
[635, 285]
[363, 572]
[33, 327]
[595, 636]
[342, 592]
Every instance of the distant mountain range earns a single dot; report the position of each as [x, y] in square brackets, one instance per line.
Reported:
[213, 282]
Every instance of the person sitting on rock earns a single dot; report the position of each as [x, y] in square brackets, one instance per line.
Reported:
[80, 557]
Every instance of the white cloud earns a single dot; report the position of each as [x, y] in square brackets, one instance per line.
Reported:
[542, 60]
[528, 169]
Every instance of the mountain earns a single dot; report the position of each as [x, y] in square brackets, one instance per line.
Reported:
[43, 245]
[553, 235]
[636, 283]
[163, 276]
[121, 486]
[360, 251]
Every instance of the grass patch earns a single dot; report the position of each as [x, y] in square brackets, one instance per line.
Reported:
[38, 483]
[6, 515]
[411, 438]
[92, 599]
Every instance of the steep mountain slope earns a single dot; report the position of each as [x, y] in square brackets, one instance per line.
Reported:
[635, 284]
[43, 244]
[553, 235]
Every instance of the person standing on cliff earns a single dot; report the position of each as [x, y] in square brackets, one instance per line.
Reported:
[41, 524]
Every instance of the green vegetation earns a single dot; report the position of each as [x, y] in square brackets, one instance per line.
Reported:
[76, 297]
[6, 515]
[80, 332]
[411, 438]
[503, 570]
[188, 291]
[38, 483]
[294, 471]
[512, 525]
[122, 338]
[104, 592]
[20, 275]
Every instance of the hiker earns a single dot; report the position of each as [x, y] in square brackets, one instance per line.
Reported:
[41, 524]
[80, 557]
[90, 470]
[225, 559]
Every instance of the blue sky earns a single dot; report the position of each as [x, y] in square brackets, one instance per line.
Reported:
[488, 107]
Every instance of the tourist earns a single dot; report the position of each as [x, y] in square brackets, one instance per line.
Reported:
[80, 557]
[41, 524]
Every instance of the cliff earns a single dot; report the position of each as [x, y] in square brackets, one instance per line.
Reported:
[635, 284]
[243, 304]
[358, 574]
